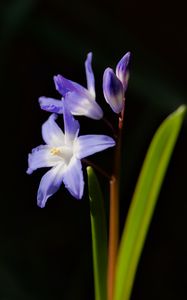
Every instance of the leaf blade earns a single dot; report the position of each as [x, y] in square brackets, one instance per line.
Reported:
[99, 235]
[144, 201]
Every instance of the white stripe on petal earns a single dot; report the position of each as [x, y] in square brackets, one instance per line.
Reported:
[113, 90]
[122, 69]
[73, 178]
[71, 126]
[41, 157]
[49, 184]
[87, 145]
[82, 105]
[90, 75]
[51, 132]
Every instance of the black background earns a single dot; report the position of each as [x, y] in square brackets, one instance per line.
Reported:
[46, 253]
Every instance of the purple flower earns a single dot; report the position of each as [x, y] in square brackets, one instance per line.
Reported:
[115, 85]
[80, 101]
[63, 153]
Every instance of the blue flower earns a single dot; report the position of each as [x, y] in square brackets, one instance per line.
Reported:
[63, 153]
[115, 85]
[80, 101]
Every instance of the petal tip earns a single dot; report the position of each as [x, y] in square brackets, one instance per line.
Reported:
[41, 199]
[29, 171]
[89, 55]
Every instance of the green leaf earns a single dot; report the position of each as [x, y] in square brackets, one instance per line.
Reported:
[143, 202]
[99, 235]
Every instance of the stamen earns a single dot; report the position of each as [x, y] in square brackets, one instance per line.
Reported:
[55, 151]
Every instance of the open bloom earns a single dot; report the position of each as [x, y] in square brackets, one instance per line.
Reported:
[115, 85]
[80, 101]
[63, 153]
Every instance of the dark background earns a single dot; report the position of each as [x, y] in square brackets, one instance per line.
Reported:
[46, 253]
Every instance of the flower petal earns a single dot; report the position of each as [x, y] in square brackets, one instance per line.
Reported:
[122, 70]
[49, 184]
[51, 105]
[113, 91]
[81, 105]
[41, 157]
[73, 178]
[71, 126]
[51, 132]
[86, 145]
[63, 86]
[90, 75]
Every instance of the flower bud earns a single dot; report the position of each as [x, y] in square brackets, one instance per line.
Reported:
[113, 90]
[122, 70]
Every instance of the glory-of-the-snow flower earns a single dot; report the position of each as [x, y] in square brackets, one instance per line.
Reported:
[63, 152]
[115, 85]
[80, 101]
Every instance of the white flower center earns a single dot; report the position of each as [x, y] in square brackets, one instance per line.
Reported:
[65, 153]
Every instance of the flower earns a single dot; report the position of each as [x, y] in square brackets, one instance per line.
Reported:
[80, 101]
[63, 153]
[115, 85]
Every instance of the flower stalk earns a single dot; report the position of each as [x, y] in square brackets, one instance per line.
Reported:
[114, 213]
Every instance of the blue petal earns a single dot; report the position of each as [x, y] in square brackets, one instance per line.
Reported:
[41, 157]
[73, 178]
[63, 86]
[89, 144]
[51, 132]
[81, 105]
[122, 70]
[51, 105]
[113, 91]
[49, 184]
[71, 126]
[90, 75]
